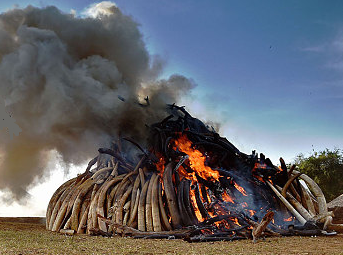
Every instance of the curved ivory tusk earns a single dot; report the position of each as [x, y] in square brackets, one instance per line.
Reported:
[188, 205]
[110, 198]
[54, 199]
[297, 205]
[135, 209]
[141, 176]
[89, 217]
[317, 192]
[141, 205]
[185, 218]
[156, 220]
[121, 189]
[63, 209]
[84, 218]
[134, 193]
[290, 180]
[58, 205]
[148, 212]
[126, 210]
[162, 209]
[171, 196]
[287, 204]
[308, 200]
[86, 186]
[119, 213]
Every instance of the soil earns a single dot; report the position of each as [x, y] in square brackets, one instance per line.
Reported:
[29, 236]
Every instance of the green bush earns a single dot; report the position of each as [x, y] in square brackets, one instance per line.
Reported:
[326, 169]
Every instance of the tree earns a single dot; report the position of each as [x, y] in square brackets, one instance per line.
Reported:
[326, 169]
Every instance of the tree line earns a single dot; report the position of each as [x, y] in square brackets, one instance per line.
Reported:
[326, 169]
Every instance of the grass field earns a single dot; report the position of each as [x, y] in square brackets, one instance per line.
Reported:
[28, 236]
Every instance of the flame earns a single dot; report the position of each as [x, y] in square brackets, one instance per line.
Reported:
[240, 189]
[160, 165]
[258, 166]
[208, 195]
[195, 206]
[226, 197]
[252, 212]
[288, 219]
[196, 159]
[235, 220]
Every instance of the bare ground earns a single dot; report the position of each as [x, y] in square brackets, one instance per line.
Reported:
[28, 236]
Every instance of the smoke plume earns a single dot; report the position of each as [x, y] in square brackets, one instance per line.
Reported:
[62, 78]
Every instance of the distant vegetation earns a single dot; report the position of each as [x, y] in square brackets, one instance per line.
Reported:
[326, 169]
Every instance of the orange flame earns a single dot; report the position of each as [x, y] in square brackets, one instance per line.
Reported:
[226, 197]
[196, 159]
[289, 219]
[235, 220]
[195, 206]
[160, 165]
[240, 189]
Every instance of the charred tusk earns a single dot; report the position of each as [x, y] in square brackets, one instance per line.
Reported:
[162, 209]
[185, 219]
[189, 210]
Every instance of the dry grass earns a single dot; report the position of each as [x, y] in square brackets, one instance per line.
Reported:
[31, 238]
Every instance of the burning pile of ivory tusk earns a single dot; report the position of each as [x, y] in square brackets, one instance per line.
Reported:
[189, 183]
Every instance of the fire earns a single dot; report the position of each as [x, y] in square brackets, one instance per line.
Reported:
[195, 206]
[160, 165]
[240, 189]
[227, 198]
[208, 195]
[196, 159]
[288, 219]
[251, 212]
[235, 220]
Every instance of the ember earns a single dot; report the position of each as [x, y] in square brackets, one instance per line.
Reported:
[188, 183]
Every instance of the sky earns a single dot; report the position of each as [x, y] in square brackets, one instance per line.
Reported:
[269, 72]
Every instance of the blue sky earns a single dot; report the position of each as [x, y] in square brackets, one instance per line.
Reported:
[271, 72]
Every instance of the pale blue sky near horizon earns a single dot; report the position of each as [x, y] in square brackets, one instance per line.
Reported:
[270, 71]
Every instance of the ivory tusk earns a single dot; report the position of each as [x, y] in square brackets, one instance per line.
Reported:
[162, 209]
[287, 204]
[141, 205]
[171, 196]
[148, 212]
[156, 220]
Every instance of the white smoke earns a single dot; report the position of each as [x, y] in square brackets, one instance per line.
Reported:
[104, 8]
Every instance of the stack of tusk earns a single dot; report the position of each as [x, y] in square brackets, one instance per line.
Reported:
[153, 202]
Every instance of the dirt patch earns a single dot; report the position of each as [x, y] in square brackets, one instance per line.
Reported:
[32, 238]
